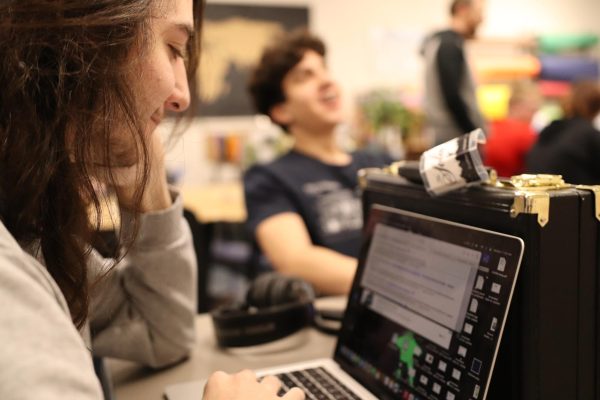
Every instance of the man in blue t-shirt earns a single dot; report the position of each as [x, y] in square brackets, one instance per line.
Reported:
[303, 208]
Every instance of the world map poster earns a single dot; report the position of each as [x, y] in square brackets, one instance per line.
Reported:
[234, 37]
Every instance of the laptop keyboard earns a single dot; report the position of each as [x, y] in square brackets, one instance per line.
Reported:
[317, 383]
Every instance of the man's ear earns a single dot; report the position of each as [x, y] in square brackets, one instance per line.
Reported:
[280, 114]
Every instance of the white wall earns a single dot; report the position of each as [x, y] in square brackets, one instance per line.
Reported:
[347, 26]
[359, 62]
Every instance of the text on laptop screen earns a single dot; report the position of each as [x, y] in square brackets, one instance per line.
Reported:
[425, 275]
[427, 307]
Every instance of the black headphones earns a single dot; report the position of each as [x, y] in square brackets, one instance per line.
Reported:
[276, 306]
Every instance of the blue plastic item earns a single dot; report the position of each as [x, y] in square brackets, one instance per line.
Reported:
[569, 69]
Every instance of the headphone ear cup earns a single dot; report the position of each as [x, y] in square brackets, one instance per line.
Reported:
[274, 289]
[301, 291]
[277, 306]
[258, 294]
[280, 291]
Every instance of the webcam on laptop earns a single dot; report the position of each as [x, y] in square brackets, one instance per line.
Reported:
[276, 306]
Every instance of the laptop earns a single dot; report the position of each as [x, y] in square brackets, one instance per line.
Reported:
[424, 318]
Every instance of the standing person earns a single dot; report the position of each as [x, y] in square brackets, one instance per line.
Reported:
[451, 105]
[303, 208]
[571, 146]
[511, 138]
[84, 85]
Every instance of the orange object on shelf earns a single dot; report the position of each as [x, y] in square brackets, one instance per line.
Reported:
[490, 68]
[233, 149]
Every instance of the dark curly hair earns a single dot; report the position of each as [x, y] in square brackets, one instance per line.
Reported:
[64, 73]
[265, 86]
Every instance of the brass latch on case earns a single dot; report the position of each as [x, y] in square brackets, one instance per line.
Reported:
[596, 192]
[531, 193]
[538, 182]
[364, 173]
[532, 203]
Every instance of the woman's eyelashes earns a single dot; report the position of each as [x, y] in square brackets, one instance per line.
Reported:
[177, 52]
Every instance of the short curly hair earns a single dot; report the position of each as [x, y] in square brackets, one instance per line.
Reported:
[265, 85]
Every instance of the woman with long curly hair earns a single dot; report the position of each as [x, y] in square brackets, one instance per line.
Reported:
[83, 86]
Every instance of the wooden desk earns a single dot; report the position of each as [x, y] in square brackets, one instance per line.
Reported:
[133, 382]
[218, 202]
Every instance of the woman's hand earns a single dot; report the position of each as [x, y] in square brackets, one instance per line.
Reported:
[245, 386]
[156, 194]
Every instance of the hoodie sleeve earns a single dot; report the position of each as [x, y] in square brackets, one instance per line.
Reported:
[144, 308]
[451, 64]
[43, 355]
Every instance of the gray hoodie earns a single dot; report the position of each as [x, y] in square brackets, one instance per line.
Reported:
[143, 311]
[450, 100]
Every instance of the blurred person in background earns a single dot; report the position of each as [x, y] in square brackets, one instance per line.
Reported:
[303, 208]
[511, 138]
[451, 107]
[571, 146]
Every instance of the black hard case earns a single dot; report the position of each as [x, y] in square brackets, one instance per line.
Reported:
[551, 344]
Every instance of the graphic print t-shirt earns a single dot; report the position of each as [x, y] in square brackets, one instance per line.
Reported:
[324, 195]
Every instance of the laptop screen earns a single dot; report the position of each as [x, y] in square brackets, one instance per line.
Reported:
[427, 306]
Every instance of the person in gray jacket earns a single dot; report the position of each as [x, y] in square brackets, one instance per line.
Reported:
[451, 105]
[84, 86]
